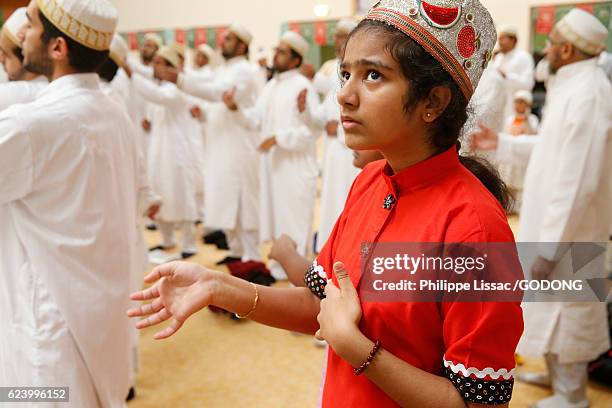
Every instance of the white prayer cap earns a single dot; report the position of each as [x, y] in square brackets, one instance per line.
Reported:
[91, 23]
[118, 50]
[179, 48]
[207, 50]
[170, 55]
[296, 42]
[508, 30]
[523, 95]
[584, 31]
[242, 33]
[154, 37]
[13, 25]
[346, 25]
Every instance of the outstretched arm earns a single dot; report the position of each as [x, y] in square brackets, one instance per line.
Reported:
[181, 289]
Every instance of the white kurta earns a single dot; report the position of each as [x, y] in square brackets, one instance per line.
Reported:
[514, 174]
[567, 198]
[68, 205]
[288, 172]
[173, 157]
[231, 161]
[137, 106]
[518, 67]
[338, 169]
[12, 93]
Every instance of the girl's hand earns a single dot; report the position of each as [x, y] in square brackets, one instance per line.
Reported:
[181, 289]
[340, 311]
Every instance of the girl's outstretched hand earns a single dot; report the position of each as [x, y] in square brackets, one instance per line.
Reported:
[179, 290]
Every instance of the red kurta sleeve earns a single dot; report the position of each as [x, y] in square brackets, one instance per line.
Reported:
[480, 340]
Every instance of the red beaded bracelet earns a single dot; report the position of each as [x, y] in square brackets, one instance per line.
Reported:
[359, 370]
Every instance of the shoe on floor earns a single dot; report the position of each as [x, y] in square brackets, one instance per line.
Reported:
[228, 259]
[187, 255]
[131, 394]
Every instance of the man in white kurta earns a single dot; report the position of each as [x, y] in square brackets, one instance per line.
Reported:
[68, 205]
[288, 163]
[23, 86]
[338, 169]
[515, 65]
[173, 156]
[231, 161]
[567, 199]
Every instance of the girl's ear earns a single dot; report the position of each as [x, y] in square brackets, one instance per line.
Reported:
[436, 103]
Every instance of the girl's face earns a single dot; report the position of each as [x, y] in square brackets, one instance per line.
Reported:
[372, 95]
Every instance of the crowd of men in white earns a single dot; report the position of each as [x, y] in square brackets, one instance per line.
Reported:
[234, 147]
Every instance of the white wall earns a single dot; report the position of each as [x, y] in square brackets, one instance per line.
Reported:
[264, 17]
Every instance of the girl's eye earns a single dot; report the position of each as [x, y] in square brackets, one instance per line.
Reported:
[344, 76]
[373, 76]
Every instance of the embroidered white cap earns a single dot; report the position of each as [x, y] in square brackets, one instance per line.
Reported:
[170, 55]
[346, 25]
[14, 24]
[584, 31]
[154, 37]
[242, 33]
[91, 23]
[523, 95]
[296, 42]
[207, 50]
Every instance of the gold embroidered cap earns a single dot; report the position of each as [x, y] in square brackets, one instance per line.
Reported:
[154, 37]
[91, 23]
[14, 24]
[170, 55]
[460, 34]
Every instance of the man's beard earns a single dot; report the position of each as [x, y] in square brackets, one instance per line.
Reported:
[229, 53]
[38, 63]
[147, 59]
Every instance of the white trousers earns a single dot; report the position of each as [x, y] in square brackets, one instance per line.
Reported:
[188, 235]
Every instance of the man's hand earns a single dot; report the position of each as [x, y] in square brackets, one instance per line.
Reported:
[301, 100]
[229, 101]
[146, 125]
[542, 268]
[281, 247]
[153, 210]
[332, 128]
[483, 139]
[196, 112]
[267, 144]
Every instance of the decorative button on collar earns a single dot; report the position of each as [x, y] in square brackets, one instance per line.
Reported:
[389, 201]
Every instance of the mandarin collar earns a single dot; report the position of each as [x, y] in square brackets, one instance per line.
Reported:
[575, 68]
[72, 81]
[422, 174]
[287, 74]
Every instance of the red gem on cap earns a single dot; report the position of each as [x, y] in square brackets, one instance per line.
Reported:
[442, 16]
[466, 41]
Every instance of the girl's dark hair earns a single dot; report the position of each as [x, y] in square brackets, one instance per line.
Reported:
[424, 72]
[81, 58]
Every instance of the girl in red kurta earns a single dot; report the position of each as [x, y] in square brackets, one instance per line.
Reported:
[408, 71]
